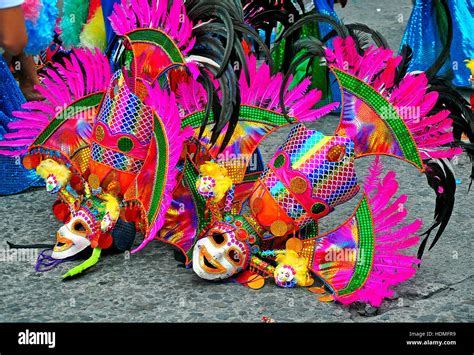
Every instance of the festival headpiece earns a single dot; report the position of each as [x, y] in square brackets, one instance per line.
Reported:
[165, 41]
[260, 115]
[362, 259]
[61, 126]
[373, 122]
[121, 136]
[130, 142]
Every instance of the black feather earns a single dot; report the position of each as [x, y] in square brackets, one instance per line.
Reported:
[361, 32]
[340, 29]
[402, 68]
[445, 52]
[441, 178]
[314, 48]
[219, 37]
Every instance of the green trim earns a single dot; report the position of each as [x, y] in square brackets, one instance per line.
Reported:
[252, 177]
[94, 258]
[386, 112]
[365, 250]
[311, 230]
[159, 39]
[247, 113]
[191, 176]
[161, 171]
[70, 111]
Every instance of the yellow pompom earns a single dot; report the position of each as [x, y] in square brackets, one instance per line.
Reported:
[50, 166]
[298, 263]
[222, 181]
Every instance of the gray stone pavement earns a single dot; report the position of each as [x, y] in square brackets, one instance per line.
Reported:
[150, 287]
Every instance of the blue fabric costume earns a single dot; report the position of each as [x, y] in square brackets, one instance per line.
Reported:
[13, 176]
[425, 35]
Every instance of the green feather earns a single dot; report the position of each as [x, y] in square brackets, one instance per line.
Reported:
[75, 13]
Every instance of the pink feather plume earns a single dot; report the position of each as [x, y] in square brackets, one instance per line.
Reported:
[166, 108]
[130, 15]
[85, 73]
[392, 236]
[411, 99]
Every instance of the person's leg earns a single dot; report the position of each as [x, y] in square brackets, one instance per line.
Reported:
[25, 67]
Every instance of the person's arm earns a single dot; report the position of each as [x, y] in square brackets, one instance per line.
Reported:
[13, 36]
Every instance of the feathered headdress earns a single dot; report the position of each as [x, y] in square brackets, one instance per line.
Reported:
[62, 123]
[383, 106]
[201, 37]
[260, 115]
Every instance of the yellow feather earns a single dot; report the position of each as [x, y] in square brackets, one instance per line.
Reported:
[93, 34]
[50, 166]
[111, 205]
[219, 174]
[470, 65]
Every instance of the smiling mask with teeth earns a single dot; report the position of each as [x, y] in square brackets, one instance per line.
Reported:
[90, 224]
[220, 254]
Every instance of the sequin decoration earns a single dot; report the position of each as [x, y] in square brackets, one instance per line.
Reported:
[383, 130]
[333, 182]
[123, 112]
[115, 159]
[343, 258]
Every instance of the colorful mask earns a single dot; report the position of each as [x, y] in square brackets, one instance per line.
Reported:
[213, 182]
[90, 221]
[72, 238]
[116, 149]
[221, 253]
[311, 174]
[285, 276]
[292, 270]
[55, 175]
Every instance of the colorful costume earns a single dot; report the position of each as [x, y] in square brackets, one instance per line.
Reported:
[15, 178]
[169, 142]
[311, 174]
[119, 134]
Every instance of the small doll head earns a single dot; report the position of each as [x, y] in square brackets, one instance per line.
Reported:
[213, 181]
[292, 270]
[285, 276]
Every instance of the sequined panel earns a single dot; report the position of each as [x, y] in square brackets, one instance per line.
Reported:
[115, 159]
[123, 112]
[333, 181]
[81, 159]
[344, 257]
[281, 194]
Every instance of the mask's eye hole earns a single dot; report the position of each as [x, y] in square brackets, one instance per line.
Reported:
[79, 227]
[235, 256]
[218, 238]
[336, 153]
